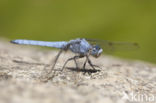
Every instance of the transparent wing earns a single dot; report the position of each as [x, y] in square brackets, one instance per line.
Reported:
[114, 46]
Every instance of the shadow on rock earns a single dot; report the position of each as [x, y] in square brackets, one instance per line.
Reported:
[89, 71]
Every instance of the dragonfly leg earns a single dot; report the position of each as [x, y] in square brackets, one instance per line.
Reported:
[90, 63]
[77, 57]
[73, 58]
[56, 58]
[53, 66]
[97, 66]
[76, 63]
[84, 65]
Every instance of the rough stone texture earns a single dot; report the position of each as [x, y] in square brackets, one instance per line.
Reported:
[22, 71]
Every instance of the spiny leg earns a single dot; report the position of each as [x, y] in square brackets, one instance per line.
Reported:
[88, 60]
[90, 63]
[67, 62]
[97, 66]
[73, 58]
[77, 57]
[56, 58]
[84, 65]
[76, 63]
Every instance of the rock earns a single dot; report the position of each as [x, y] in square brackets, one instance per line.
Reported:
[22, 69]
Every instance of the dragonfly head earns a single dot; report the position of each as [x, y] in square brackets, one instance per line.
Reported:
[96, 51]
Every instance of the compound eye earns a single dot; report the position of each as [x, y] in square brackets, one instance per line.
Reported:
[97, 47]
[94, 49]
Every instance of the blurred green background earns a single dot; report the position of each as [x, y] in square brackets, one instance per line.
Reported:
[116, 20]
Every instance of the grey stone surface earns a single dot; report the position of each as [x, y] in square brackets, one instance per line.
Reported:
[22, 71]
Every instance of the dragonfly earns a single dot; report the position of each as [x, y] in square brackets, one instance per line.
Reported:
[82, 47]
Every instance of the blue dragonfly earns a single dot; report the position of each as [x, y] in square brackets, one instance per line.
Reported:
[81, 47]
